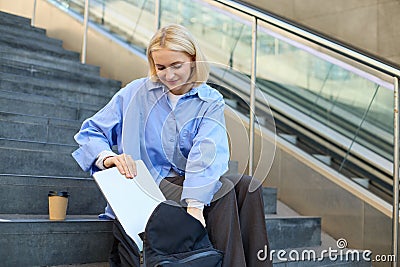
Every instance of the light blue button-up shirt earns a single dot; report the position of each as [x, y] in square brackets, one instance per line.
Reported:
[190, 140]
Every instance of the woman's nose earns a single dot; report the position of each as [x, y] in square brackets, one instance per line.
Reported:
[169, 73]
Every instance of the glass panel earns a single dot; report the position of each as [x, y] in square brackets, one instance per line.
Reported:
[332, 92]
[222, 38]
[132, 20]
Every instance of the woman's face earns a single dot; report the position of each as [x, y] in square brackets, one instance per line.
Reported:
[173, 69]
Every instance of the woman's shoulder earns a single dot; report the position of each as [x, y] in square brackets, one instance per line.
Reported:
[136, 86]
[208, 93]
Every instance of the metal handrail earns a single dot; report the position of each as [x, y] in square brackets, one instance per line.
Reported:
[85, 28]
[252, 93]
[395, 218]
[157, 14]
[33, 14]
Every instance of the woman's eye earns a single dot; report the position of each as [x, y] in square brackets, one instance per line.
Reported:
[177, 66]
[160, 68]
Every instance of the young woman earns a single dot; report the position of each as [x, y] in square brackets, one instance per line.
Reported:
[174, 122]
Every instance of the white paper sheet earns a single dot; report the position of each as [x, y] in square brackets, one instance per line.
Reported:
[132, 200]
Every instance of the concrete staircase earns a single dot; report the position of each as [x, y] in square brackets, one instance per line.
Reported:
[45, 93]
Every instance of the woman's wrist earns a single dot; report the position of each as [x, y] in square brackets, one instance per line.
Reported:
[197, 213]
[194, 203]
[102, 157]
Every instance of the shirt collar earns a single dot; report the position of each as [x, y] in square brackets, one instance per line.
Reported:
[202, 91]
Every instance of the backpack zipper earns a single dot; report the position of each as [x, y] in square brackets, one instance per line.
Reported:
[141, 257]
[190, 258]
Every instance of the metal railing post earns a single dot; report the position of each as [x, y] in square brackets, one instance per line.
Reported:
[252, 93]
[395, 219]
[157, 14]
[33, 14]
[85, 27]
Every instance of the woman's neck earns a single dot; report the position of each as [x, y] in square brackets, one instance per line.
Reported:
[181, 90]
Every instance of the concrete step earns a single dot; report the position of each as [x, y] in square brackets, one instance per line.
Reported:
[25, 194]
[270, 200]
[319, 256]
[13, 18]
[50, 73]
[98, 87]
[293, 232]
[28, 240]
[43, 159]
[36, 146]
[49, 61]
[6, 47]
[22, 32]
[18, 22]
[38, 129]
[288, 229]
[50, 107]
[95, 264]
[34, 46]
[68, 91]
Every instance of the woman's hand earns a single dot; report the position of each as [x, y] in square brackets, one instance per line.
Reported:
[197, 213]
[124, 163]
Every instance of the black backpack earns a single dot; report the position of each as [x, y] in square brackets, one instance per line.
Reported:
[173, 238]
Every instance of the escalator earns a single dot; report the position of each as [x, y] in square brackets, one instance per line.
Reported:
[314, 140]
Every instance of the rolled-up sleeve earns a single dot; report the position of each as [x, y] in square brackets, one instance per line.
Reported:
[98, 133]
[208, 157]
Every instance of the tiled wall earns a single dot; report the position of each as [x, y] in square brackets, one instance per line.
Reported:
[371, 25]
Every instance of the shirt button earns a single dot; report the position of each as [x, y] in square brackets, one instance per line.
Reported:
[171, 140]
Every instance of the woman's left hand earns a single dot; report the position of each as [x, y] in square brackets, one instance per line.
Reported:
[197, 213]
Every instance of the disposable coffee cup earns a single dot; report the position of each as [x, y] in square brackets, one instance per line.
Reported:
[58, 203]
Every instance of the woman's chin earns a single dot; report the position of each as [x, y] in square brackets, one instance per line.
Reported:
[175, 88]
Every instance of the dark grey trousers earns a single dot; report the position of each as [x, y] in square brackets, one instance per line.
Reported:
[235, 222]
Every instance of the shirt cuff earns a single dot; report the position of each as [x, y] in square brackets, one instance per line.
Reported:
[100, 158]
[194, 203]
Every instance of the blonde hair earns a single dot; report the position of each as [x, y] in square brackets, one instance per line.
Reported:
[177, 38]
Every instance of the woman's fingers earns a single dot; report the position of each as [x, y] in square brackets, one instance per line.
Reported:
[124, 163]
[131, 165]
[119, 162]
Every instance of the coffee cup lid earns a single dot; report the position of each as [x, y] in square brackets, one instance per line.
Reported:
[60, 194]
